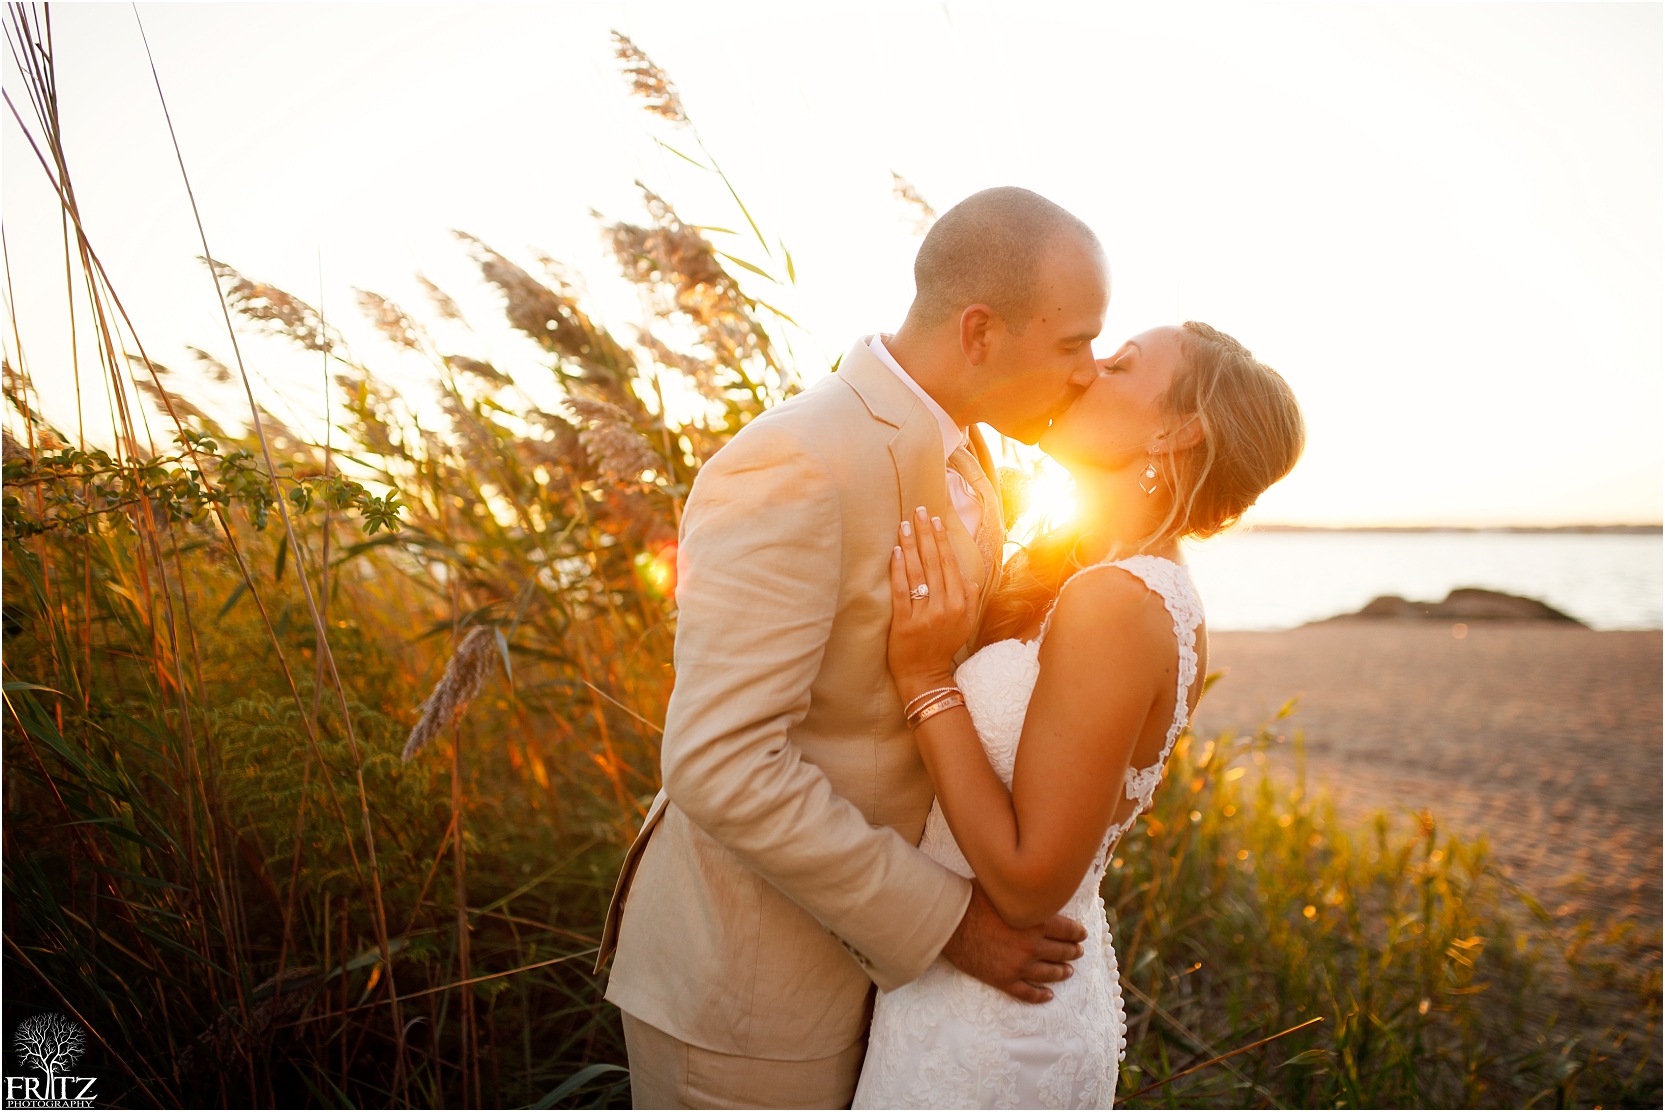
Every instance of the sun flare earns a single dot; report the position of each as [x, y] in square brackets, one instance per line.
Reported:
[1049, 500]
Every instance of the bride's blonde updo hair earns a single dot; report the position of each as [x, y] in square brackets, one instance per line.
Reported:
[1252, 434]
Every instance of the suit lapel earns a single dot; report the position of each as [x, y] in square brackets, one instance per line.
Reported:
[915, 451]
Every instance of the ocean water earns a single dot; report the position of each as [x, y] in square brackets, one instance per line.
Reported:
[1280, 580]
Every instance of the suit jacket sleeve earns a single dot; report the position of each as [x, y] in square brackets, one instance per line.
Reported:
[757, 592]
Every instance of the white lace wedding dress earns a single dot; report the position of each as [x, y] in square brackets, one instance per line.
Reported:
[948, 1041]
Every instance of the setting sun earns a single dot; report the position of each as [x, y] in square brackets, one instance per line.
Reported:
[1048, 497]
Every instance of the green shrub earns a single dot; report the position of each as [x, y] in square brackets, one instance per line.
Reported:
[1242, 908]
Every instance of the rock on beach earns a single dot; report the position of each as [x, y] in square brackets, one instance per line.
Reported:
[1466, 604]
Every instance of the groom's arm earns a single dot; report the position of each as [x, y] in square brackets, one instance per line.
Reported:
[758, 588]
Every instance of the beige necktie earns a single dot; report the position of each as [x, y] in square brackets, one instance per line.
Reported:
[990, 532]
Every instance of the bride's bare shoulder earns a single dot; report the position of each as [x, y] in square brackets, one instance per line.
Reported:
[1108, 605]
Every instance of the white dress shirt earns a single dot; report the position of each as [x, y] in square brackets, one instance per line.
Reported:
[970, 511]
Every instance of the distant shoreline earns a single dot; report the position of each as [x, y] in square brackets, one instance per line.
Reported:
[1610, 530]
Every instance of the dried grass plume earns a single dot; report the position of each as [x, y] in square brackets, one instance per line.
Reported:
[479, 368]
[920, 214]
[388, 319]
[442, 302]
[551, 317]
[616, 448]
[648, 81]
[274, 309]
[217, 370]
[463, 677]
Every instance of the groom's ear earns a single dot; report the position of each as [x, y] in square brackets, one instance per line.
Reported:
[976, 322]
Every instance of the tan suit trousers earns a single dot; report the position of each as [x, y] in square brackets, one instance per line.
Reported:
[666, 1072]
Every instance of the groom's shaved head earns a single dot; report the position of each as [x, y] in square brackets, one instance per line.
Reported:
[988, 250]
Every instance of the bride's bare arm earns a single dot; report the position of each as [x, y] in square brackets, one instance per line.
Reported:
[1107, 658]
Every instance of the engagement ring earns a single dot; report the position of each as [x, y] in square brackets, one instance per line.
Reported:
[920, 592]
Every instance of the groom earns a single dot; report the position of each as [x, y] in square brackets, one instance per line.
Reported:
[776, 878]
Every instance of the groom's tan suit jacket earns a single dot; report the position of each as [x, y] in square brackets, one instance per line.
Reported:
[776, 876]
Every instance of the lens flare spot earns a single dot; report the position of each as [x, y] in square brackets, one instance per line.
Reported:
[656, 571]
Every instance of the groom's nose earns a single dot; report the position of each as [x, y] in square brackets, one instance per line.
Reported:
[1072, 394]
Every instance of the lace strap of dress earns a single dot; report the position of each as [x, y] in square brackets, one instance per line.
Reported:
[1173, 582]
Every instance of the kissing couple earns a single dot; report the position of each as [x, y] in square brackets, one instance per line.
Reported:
[894, 760]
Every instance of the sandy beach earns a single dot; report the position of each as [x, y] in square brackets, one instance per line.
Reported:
[1544, 736]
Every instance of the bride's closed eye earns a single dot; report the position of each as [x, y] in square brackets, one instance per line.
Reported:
[1117, 362]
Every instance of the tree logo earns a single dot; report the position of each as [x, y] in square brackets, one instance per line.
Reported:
[50, 1044]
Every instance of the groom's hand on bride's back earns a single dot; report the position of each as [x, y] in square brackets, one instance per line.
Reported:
[1020, 963]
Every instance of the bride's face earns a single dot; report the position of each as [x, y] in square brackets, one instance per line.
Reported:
[1118, 420]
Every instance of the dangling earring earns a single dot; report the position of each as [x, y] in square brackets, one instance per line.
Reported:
[1148, 475]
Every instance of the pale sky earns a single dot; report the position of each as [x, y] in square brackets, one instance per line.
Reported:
[1442, 223]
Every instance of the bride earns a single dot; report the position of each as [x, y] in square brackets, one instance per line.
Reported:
[1049, 742]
